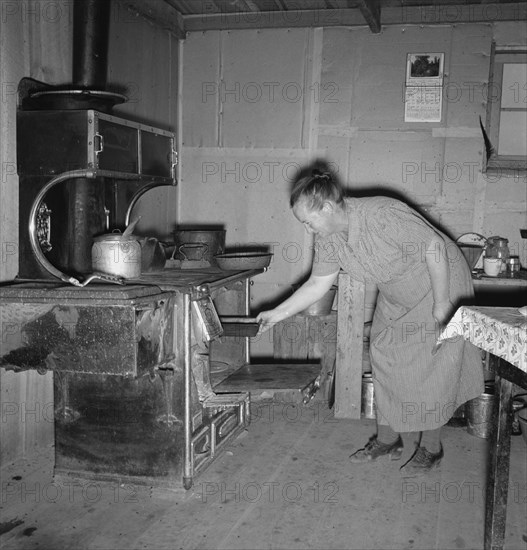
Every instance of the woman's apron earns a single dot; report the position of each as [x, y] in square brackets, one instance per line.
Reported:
[418, 387]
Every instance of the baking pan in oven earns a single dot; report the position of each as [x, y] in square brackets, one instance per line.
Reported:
[239, 326]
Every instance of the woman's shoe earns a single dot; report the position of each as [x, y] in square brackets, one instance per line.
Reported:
[375, 449]
[422, 462]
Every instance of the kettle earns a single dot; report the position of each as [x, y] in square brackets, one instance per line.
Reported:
[117, 254]
[498, 247]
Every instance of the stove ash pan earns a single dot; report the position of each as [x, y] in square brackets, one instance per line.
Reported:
[127, 338]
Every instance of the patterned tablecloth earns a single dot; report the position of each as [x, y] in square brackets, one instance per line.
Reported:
[498, 330]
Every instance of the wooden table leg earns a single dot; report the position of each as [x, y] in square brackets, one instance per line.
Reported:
[498, 467]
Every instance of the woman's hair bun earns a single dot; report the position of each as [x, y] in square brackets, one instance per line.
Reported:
[317, 188]
[322, 175]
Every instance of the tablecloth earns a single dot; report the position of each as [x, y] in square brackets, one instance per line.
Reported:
[501, 331]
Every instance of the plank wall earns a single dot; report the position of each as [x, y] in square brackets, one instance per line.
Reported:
[260, 104]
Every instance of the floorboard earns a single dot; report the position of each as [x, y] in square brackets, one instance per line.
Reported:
[285, 483]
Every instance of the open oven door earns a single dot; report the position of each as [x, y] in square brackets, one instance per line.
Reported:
[292, 375]
[291, 382]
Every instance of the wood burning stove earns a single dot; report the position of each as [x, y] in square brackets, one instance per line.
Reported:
[133, 393]
[133, 398]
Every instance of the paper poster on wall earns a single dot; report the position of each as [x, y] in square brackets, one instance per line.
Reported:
[424, 87]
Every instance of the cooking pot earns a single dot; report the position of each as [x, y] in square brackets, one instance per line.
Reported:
[199, 244]
[117, 254]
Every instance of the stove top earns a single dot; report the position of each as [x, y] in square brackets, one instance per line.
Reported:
[182, 280]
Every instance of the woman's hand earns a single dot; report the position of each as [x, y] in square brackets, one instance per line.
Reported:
[442, 311]
[311, 291]
[267, 319]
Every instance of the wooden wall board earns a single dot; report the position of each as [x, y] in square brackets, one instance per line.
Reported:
[509, 33]
[264, 103]
[336, 154]
[200, 108]
[463, 196]
[510, 190]
[147, 73]
[467, 72]
[150, 76]
[247, 192]
[47, 47]
[398, 161]
[313, 77]
[13, 68]
[335, 91]
[457, 222]
[38, 47]
[379, 80]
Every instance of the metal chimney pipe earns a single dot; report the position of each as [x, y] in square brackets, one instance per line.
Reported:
[91, 22]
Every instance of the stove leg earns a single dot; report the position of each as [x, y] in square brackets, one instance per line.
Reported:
[188, 466]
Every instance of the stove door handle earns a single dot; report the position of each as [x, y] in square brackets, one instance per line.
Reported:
[100, 138]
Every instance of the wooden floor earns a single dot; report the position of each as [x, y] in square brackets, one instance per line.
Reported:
[284, 483]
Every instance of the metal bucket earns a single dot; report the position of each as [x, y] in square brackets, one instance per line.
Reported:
[367, 397]
[479, 413]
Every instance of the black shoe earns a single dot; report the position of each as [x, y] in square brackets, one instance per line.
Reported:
[422, 462]
[375, 449]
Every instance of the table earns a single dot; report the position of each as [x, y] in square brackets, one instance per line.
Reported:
[502, 332]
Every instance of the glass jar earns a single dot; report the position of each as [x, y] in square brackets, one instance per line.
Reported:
[498, 247]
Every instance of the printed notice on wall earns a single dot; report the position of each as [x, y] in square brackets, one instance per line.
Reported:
[423, 104]
[424, 87]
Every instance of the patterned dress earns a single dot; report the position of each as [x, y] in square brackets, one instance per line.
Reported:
[417, 387]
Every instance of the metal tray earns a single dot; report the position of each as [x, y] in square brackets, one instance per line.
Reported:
[239, 326]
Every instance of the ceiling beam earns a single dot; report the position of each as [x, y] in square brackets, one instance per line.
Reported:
[371, 11]
[248, 4]
[162, 13]
[280, 4]
[447, 14]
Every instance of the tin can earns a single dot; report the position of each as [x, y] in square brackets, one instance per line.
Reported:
[367, 397]
[479, 412]
[512, 266]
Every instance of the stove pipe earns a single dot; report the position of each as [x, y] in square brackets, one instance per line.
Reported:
[84, 198]
[91, 21]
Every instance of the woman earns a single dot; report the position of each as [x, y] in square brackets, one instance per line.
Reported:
[422, 278]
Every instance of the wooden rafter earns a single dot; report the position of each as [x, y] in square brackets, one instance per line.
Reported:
[371, 11]
[280, 5]
[163, 14]
[249, 5]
